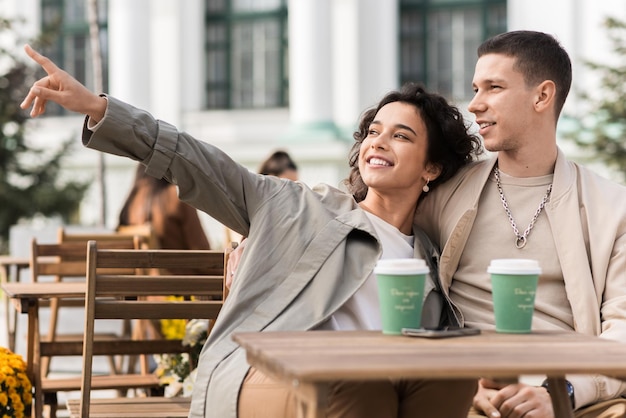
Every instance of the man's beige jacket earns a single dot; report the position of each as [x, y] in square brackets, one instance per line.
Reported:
[587, 216]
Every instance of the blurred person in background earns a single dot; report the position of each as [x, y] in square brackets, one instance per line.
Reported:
[174, 223]
[280, 164]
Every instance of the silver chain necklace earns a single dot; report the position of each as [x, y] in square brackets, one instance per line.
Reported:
[520, 240]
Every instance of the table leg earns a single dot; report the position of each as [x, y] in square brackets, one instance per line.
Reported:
[32, 354]
[560, 399]
[13, 329]
[10, 272]
[5, 274]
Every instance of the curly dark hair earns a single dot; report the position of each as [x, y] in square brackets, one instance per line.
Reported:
[450, 145]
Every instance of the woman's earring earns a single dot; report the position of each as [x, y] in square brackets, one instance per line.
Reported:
[426, 188]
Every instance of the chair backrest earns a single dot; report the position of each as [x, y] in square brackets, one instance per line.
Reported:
[144, 231]
[58, 262]
[119, 296]
[68, 258]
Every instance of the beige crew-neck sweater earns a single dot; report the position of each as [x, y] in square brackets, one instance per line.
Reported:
[492, 237]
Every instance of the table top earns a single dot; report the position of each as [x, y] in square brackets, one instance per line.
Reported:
[10, 260]
[317, 356]
[44, 290]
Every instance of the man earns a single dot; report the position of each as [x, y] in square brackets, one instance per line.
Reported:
[528, 201]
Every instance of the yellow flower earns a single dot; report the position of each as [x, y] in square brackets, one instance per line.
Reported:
[15, 387]
[10, 381]
[24, 382]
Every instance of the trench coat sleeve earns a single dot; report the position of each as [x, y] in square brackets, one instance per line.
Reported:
[207, 178]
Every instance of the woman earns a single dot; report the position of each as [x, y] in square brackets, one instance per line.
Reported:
[175, 224]
[311, 254]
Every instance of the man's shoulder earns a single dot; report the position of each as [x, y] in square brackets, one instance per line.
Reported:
[456, 194]
[472, 173]
[588, 176]
[474, 166]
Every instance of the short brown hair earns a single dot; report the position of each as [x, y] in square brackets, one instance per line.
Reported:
[538, 56]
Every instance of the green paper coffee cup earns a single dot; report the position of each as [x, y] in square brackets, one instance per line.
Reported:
[514, 284]
[401, 293]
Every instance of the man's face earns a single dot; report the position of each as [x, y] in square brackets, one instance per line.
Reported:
[503, 103]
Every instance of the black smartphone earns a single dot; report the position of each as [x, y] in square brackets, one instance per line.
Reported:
[445, 332]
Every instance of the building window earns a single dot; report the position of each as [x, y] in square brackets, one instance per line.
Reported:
[439, 38]
[65, 29]
[246, 54]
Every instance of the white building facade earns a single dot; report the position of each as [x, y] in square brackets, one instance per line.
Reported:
[251, 76]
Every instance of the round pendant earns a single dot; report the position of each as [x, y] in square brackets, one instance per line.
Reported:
[520, 242]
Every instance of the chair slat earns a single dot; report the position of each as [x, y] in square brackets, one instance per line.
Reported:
[212, 261]
[122, 347]
[134, 407]
[155, 310]
[121, 285]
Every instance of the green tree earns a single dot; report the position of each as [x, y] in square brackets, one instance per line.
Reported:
[29, 177]
[602, 129]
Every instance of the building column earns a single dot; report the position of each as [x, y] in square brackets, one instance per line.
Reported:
[310, 68]
[129, 72]
[166, 60]
[365, 65]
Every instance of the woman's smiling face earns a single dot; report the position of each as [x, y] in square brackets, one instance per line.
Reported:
[393, 156]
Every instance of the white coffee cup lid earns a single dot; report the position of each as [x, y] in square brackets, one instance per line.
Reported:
[514, 266]
[401, 266]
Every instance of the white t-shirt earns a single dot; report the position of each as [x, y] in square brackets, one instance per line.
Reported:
[362, 310]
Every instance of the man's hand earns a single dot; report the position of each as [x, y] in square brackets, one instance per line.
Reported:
[516, 400]
[60, 87]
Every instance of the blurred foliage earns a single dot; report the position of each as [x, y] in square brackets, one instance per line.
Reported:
[29, 176]
[601, 130]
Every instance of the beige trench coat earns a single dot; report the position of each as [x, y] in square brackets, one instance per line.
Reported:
[308, 252]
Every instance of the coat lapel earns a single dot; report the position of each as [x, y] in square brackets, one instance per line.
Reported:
[455, 244]
[564, 216]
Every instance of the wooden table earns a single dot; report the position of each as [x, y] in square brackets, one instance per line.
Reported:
[26, 297]
[10, 269]
[310, 361]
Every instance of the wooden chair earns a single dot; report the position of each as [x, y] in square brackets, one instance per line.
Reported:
[145, 231]
[79, 266]
[119, 296]
[143, 237]
[59, 262]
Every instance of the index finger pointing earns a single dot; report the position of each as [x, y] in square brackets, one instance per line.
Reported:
[45, 62]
